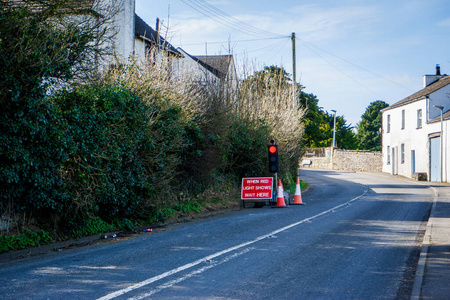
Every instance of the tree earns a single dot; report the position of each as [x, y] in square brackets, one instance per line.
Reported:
[266, 99]
[345, 137]
[319, 126]
[270, 78]
[318, 132]
[369, 133]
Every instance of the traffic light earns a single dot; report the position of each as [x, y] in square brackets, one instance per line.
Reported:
[274, 166]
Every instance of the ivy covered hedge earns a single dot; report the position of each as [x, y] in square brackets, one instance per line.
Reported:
[106, 127]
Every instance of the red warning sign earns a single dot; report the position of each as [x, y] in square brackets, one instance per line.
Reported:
[257, 188]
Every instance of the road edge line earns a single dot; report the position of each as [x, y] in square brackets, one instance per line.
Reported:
[426, 242]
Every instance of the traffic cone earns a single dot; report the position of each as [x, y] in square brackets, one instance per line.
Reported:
[280, 196]
[298, 194]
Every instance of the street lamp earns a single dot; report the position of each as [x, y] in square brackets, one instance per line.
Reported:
[442, 129]
[334, 128]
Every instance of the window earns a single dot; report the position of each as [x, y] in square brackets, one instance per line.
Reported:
[402, 150]
[419, 118]
[403, 119]
[388, 158]
[388, 126]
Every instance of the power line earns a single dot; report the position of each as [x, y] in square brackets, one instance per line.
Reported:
[349, 62]
[241, 41]
[214, 16]
[236, 21]
[225, 19]
[271, 47]
[280, 47]
[334, 66]
[211, 16]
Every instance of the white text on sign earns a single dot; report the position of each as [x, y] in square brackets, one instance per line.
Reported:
[257, 188]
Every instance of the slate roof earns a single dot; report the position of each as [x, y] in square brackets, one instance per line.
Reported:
[218, 65]
[145, 32]
[445, 116]
[422, 93]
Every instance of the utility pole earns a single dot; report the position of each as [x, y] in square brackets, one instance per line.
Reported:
[294, 71]
[157, 34]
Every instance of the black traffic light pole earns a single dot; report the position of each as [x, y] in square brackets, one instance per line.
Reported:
[274, 165]
[275, 188]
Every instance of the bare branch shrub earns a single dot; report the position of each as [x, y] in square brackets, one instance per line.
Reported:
[268, 98]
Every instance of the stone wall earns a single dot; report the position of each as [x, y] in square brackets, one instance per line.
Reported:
[345, 160]
[317, 158]
[349, 160]
[319, 163]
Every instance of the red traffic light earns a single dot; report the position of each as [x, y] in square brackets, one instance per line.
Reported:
[273, 158]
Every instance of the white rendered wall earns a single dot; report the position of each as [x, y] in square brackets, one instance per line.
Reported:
[413, 138]
[123, 25]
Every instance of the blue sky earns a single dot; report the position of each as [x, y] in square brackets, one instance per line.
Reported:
[349, 52]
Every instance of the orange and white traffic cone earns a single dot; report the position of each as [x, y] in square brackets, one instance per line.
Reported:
[298, 194]
[280, 195]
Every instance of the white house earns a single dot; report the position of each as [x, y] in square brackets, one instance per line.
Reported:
[207, 68]
[128, 35]
[124, 25]
[136, 38]
[413, 139]
[148, 44]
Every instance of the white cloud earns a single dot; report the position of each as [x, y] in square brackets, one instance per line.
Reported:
[445, 23]
[314, 22]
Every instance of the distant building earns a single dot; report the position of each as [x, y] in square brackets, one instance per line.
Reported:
[135, 38]
[149, 44]
[207, 68]
[412, 131]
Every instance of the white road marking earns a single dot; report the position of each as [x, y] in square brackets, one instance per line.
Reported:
[217, 254]
[193, 273]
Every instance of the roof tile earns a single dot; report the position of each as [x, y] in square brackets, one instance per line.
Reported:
[422, 93]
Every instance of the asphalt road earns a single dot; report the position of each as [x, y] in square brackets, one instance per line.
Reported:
[357, 237]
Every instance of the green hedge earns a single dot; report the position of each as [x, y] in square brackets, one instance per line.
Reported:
[246, 148]
[32, 150]
[99, 151]
[106, 126]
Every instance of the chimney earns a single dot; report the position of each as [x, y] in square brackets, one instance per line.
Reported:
[429, 79]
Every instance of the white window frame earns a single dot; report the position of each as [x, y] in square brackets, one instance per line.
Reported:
[402, 153]
[388, 158]
[403, 118]
[419, 118]
[388, 125]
